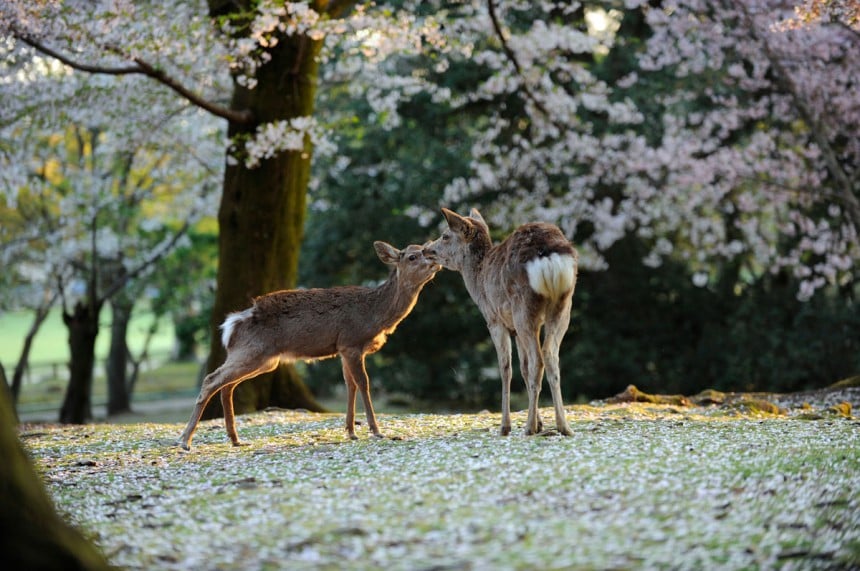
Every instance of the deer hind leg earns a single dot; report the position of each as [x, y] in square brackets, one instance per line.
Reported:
[502, 341]
[224, 378]
[525, 371]
[229, 414]
[354, 363]
[558, 319]
[350, 401]
[528, 342]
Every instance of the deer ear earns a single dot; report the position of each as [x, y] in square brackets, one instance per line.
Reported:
[476, 216]
[386, 252]
[457, 223]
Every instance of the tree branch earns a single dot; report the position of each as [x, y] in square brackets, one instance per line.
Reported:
[156, 255]
[512, 57]
[241, 117]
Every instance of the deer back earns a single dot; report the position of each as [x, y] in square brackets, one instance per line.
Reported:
[304, 324]
[536, 264]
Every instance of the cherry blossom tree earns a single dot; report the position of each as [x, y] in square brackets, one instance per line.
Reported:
[96, 216]
[253, 64]
[714, 130]
[720, 132]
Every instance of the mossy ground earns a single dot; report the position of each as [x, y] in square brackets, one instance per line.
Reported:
[638, 486]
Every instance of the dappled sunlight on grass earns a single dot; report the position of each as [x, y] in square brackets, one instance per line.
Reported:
[637, 485]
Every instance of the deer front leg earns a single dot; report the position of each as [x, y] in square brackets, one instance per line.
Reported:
[229, 414]
[350, 401]
[354, 362]
[502, 341]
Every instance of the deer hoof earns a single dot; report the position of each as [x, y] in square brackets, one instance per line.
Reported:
[352, 436]
[532, 430]
[504, 431]
[378, 435]
[565, 430]
[239, 443]
[184, 445]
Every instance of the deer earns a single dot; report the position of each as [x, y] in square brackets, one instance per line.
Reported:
[521, 285]
[312, 324]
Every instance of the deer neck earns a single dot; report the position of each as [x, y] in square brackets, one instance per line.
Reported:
[474, 267]
[395, 298]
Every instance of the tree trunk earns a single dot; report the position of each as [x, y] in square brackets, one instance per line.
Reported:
[7, 392]
[34, 536]
[83, 326]
[24, 359]
[119, 397]
[261, 218]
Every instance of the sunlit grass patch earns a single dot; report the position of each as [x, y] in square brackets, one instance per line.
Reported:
[637, 486]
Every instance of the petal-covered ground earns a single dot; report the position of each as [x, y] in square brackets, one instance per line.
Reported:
[637, 486]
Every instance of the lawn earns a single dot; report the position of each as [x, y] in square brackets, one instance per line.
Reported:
[51, 345]
[638, 486]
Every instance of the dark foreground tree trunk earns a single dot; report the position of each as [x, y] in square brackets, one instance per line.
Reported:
[34, 536]
[4, 387]
[261, 218]
[119, 396]
[83, 326]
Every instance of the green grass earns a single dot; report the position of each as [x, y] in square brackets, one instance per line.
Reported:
[638, 486]
[51, 342]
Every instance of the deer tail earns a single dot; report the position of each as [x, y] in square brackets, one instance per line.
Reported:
[552, 276]
[229, 325]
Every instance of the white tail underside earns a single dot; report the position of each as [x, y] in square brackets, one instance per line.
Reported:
[552, 275]
[230, 323]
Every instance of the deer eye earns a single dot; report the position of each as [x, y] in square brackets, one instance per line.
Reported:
[446, 237]
[412, 258]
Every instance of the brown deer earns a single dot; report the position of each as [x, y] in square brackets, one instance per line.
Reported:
[520, 285]
[290, 325]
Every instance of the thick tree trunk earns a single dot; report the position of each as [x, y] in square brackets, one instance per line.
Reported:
[119, 397]
[34, 536]
[261, 218]
[83, 326]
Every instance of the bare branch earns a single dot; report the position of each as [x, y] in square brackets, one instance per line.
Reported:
[512, 57]
[241, 117]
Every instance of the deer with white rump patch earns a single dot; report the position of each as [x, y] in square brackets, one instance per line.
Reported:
[290, 325]
[520, 285]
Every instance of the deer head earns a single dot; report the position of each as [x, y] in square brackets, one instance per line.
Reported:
[411, 265]
[464, 238]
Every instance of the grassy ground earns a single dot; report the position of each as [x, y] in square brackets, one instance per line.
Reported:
[638, 486]
[51, 342]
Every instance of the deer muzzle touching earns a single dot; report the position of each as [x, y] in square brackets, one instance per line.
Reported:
[290, 325]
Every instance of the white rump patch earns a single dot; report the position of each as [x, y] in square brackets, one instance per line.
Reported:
[552, 275]
[230, 323]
